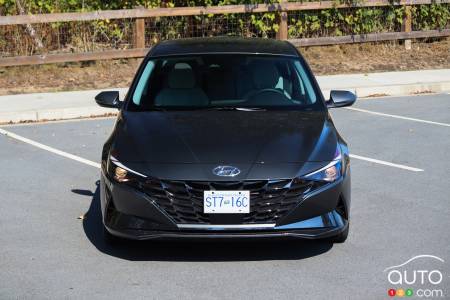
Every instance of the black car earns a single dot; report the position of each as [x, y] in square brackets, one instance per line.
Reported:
[225, 138]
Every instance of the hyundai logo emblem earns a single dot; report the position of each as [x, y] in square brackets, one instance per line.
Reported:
[227, 171]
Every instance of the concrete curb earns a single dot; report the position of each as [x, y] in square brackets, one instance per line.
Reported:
[54, 114]
[81, 104]
[397, 90]
[52, 106]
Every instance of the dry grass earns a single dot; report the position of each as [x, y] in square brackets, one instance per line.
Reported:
[369, 58]
[325, 60]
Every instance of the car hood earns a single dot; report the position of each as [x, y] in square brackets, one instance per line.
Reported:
[224, 137]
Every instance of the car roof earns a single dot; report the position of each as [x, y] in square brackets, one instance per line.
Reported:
[223, 45]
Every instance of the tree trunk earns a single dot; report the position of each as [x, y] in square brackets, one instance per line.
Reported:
[30, 28]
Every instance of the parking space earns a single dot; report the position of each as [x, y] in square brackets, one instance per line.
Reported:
[394, 140]
[434, 107]
[51, 228]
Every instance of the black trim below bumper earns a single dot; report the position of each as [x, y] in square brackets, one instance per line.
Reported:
[334, 227]
[165, 235]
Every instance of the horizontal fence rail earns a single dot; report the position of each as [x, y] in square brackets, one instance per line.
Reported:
[199, 10]
[370, 37]
[138, 24]
[72, 57]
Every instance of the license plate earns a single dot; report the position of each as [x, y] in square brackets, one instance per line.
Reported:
[226, 202]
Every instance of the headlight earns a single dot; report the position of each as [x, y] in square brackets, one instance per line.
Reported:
[330, 172]
[120, 172]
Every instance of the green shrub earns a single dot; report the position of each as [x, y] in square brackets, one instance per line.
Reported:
[93, 35]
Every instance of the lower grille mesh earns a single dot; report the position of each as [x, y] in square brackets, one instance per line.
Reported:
[269, 199]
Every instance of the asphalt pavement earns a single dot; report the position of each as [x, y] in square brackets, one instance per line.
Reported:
[51, 244]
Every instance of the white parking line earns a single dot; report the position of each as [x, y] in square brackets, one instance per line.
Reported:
[385, 163]
[50, 149]
[397, 116]
[97, 165]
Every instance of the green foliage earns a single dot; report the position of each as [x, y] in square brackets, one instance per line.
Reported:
[434, 16]
[92, 35]
[305, 23]
[337, 22]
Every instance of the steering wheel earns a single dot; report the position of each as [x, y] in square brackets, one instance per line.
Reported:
[268, 90]
[274, 100]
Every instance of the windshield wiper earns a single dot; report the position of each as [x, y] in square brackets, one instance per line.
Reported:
[236, 108]
[222, 108]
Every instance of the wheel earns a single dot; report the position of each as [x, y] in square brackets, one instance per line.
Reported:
[109, 238]
[341, 237]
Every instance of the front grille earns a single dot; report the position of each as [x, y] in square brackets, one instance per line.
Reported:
[269, 199]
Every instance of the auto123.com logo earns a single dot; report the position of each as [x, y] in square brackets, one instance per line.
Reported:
[420, 276]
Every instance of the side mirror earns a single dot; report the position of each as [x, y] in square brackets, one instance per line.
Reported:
[108, 99]
[341, 99]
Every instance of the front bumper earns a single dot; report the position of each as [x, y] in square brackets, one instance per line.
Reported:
[131, 214]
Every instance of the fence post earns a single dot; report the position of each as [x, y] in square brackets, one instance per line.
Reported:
[139, 33]
[407, 25]
[282, 33]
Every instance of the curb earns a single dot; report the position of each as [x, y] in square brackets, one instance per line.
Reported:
[53, 106]
[96, 111]
[397, 90]
[55, 114]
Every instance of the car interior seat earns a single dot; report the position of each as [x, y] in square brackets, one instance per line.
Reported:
[182, 89]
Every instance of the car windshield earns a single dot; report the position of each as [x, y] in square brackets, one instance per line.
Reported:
[225, 81]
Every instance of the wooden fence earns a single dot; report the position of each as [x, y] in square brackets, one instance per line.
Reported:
[282, 8]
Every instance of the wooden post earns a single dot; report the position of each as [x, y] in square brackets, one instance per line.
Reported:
[407, 25]
[139, 33]
[282, 33]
